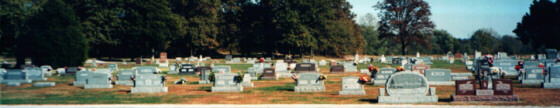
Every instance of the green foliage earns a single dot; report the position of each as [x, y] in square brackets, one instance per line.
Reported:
[484, 40]
[540, 28]
[57, 41]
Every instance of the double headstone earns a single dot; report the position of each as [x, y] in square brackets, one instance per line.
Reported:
[337, 69]
[149, 83]
[124, 77]
[309, 82]
[15, 77]
[146, 70]
[35, 74]
[380, 78]
[351, 86]
[350, 67]
[72, 70]
[407, 87]
[281, 69]
[501, 91]
[186, 69]
[305, 67]
[533, 75]
[221, 69]
[552, 79]
[269, 73]
[439, 77]
[81, 78]
[225, 82]
[507, 66]
[98, 80]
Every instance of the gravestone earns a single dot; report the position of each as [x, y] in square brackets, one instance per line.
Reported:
[337, 69]
[47, 70]
[163, 61]
[173, 69]
[365, 71]
[460, 76]
[477, 55]
[124, 77]
[60, 71]
[44, 84]
[501, 91]
[383, 59]
[225, 82]
[305, 67]
[407, 87]
[2, 72]
[465, 87]
[113, 67]
[322, 63]
[15, 77]
[533, 75]
[247, 81]
[309, 82]
[94, 62]
[396, 61]
[351, 86]
[107, 71]
[228, 57]
[252, 73]
[72, 70]
[138, 61]
[269, 73]
[527, 64]
[420, 68]
[204, 74]
[35, 74]
[81, 78]
[381, 77]
[221, 69]
[439, 77]
[98, 80]
[350, 67]
[281, 69]
[187, 69]
[552, 79]
[507, 66]
[146, 70]
[149, 83]
[469, 65]
[260, 66]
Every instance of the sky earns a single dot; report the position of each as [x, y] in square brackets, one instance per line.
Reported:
[461, 18]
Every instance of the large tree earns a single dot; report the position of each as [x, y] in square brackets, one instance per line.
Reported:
[485, 41]
[55, 36]
[541, 26]
[201, 25]
[406, 22]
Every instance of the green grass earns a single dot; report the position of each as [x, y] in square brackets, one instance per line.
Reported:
[205, 88]
[286, 87]
[446, 65]
[236, 66]
[88, 97]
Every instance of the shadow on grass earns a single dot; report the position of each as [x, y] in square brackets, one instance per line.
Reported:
[205, 88]
[368, 100]
[445, 100]
[286, 87]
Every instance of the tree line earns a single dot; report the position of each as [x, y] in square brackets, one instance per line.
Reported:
[66, 32]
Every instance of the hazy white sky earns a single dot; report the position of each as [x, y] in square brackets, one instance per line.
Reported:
[462, 17]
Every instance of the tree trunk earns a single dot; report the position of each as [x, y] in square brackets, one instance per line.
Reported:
[19, 61]
[403, 48]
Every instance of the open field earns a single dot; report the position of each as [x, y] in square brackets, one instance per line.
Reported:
[265, 92]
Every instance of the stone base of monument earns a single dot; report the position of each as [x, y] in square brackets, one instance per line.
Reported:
[379, 82]
[13, 84]
[351, 70]
[492, 98]
[148, 90]
[204, 82]
[460, 78]
[228, 89]
[44, 84]
[79, 83]
[431, 98]
[96, 86]
[17, 81]
[283, 74]
[269, 78]
[173, 72]
[352, 92]
[128, 83]
[551, 85]
[441, 82]
[247, 84]
[38, 79]
[309, 88]
[531, 82]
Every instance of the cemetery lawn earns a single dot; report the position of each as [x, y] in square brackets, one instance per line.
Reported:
[265, 92]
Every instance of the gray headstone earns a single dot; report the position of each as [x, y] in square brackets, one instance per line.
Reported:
[225, 82]
[247, 81]
[439, 77]
[98, 80]
[552, 80]
[408, 87]
[507, 66]
[218, 69]
[81, 77]
[381, 77]
[146, 70]
[350, 67]
[281, 70]
[149, 83]
[351, 86]
[47, 70]
[204, 77]
[309, 82]
[14, 76]
[113, 67]
[35, 74]
[124, 77]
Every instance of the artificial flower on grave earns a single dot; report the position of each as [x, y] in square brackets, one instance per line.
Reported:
[363, 79]
[323, 77]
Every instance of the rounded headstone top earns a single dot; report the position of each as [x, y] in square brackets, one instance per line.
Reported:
[407, 83]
